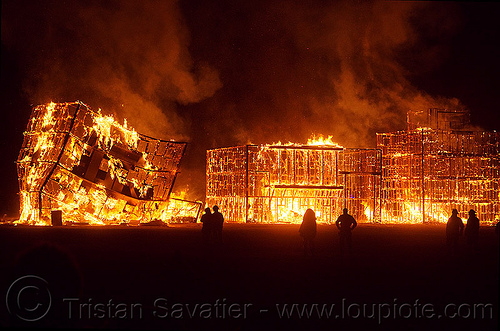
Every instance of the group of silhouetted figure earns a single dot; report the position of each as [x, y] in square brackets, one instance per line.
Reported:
[455, 228]
[212, 225]
[345, 224]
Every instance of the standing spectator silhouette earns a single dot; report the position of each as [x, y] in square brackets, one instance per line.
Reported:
[307, 231]
[472, 230]
[218, 221]
[454, 229]
[345, 223]
[207, 228]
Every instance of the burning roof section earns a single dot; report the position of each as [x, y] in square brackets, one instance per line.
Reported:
[94, 169]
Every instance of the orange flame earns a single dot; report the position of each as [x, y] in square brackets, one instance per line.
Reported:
[80, 201]
[322, 141]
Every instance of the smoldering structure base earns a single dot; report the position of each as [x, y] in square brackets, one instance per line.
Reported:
[417, 175]
[79, 166]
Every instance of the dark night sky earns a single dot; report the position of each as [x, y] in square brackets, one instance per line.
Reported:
[223, 73]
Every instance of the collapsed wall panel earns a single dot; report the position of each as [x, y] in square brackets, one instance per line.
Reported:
[93, 169]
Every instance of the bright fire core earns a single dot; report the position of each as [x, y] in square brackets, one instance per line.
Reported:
[96, 171]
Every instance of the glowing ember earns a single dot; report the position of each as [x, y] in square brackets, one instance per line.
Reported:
[95, 170]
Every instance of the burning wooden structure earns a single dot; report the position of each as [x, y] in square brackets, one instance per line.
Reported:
[91, 169]
[439, 163]
[277, 183]
[417, 175]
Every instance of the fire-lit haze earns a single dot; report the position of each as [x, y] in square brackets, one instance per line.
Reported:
[225, 73]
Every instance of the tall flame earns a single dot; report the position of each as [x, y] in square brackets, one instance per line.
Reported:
[322, 141]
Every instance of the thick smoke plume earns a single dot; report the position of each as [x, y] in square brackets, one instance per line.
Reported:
[222, 73]
[126, 57]
[298, 68]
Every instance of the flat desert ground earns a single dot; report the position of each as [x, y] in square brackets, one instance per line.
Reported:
[398, 277]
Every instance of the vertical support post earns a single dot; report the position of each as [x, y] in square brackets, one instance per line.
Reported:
[372, 178]
[279, 165]
[381, 184]
[423, 180]
[345, 190]
[246, 183]
[380, 197]
[322, 181]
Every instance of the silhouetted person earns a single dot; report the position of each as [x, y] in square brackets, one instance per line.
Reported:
[454, 229]
[345, 223]
[472, 230]
[218, 220]
[207, 229]
[307, 231]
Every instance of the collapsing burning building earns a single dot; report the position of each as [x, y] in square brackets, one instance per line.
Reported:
[417, 175]
[78, 166]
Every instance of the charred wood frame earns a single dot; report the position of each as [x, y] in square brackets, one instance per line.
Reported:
[95, 170]
[418, 175]
[277, 183]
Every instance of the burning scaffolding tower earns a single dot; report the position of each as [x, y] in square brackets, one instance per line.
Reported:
[88, 168]
[277, 183]
[439, 163]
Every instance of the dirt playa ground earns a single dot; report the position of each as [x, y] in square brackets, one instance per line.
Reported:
[398, 277]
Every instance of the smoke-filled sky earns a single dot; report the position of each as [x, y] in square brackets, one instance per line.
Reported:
[225, 73]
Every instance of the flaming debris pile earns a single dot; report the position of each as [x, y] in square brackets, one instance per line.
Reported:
[277, 183]
[95, 170]
[437, 164]
[418, 175]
